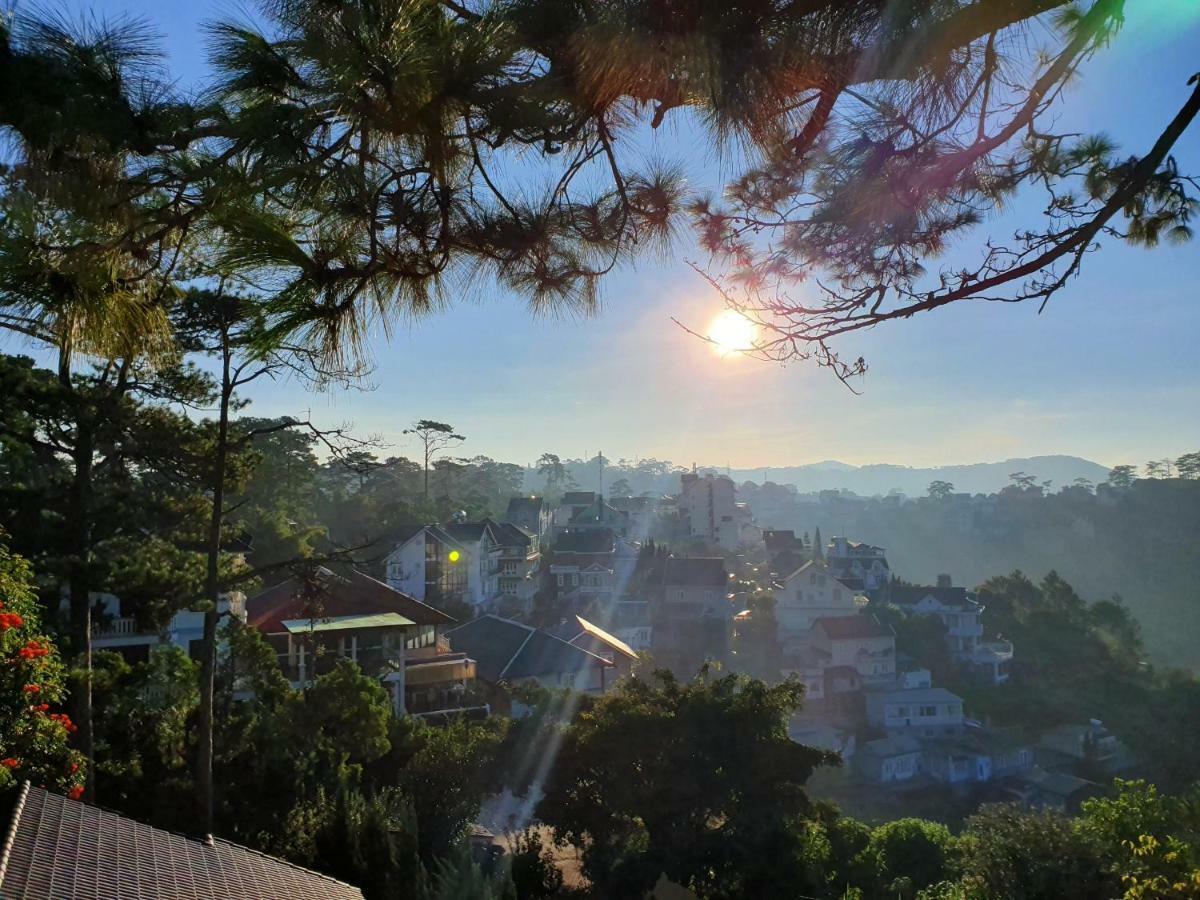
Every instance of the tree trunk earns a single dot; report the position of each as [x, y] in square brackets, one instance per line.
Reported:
[208, 647]
[426, 472]
[79, 576]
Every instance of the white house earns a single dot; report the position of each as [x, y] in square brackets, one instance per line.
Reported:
[858, 642]
[807, 594]
[962, 614]
[862, 566]
[123, 634]
[889, 760]
[462, 561]
[928, 712]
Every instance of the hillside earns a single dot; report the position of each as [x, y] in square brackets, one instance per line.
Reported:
[882, 478]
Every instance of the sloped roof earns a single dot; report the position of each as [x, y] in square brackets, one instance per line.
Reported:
[695, 571]
[910, 595]
[600, 540]
[519, 506]
[504, 649]
[899, 745]
[469, 532]
[579, 498]
[509, 534]
[353, 594]
[841, 628]
[64, 849]
[597, 633]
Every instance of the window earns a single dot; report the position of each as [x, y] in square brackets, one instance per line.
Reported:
[928, 711]
[561, 579]
[902, 711]
[812, 579]
[837, 595]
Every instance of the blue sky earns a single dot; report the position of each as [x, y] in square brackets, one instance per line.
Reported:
[1109, 371]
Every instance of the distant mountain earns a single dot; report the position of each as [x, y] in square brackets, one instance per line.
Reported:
[882, 478]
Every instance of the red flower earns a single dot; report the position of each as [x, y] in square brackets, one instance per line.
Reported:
[10, 620]
[73, 768]
[76, 792]
[41, 707]
[10, 763]
[32, 689]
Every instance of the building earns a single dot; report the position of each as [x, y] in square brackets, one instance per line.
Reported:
[692, 621]
[520, 564]
[582, 567]
[431, 566]
[1040, 789]
[889, 760]
[513, 653]
[133, 639]
[809, 593]
[862, 566]
[531, 513]
[708, 510]
[962, 614]
[859, 642]
[314, 623]
[587, 511]
[1091, 747]
[64, 849]
[923, 712]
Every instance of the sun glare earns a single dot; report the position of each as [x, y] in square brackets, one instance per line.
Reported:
[731, 333]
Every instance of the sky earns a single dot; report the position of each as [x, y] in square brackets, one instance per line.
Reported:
[1109, 371]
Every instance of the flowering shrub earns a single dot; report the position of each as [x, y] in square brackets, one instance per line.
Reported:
[34, 740]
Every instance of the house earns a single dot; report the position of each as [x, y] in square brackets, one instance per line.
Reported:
[133, 639]
[586, 511]
[889, 760]
[961, 613]
[809, 593]
[639, 514]
[531, 513]
[583, 568]
[709, 511]
[1088, 746]
[512, 652]
[311, 624]
[594, 639]
[630, 621]
[64, 849]
[520, 564]
[859, 642]
[431, 566]
[926, 712]
[809, 668]
[1040, 789]
[692, 622]
[977, 755]
[823, 737]
[862, 566]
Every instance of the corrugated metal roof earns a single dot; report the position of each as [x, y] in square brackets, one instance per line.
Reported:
[345, 623]
[62, 849]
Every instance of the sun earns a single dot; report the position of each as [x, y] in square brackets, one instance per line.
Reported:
[732, 333]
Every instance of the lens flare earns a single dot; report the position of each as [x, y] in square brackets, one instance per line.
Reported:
[454, 556]
[732, 333]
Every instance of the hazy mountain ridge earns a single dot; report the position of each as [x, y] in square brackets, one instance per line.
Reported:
[881, 478]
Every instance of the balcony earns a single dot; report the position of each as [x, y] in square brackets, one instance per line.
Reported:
[990, 652]
[116, 626]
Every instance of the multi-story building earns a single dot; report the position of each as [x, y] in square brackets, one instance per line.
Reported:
[708, 510]
[520, 564]
[134, 638]
[809, 593]
[962, 615]
[582, 567]
[862, 566]
[859, 642]
[313, 623]
[431, 566]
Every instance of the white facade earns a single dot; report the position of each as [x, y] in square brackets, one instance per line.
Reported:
[808, 594]
[857, 560]
[120, 633]
[870, 650]
[925, 711]
[709, 510]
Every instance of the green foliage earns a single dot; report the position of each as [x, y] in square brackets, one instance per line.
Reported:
[532, 868]
[34, 742]
[697, 780]
[910, 855]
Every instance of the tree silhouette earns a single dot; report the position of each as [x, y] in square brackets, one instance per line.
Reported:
[434, 437]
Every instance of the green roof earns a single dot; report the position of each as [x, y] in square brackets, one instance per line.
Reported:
[345, 623]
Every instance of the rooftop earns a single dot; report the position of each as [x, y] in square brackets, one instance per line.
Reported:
[695, 571]
[597, 541]
[910, 595]
[331, 595]
[841, 628]
[920, 695]
[55, 847]
[504, 649]
[892, 746]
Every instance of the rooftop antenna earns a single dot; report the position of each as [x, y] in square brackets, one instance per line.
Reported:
[600, 458]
